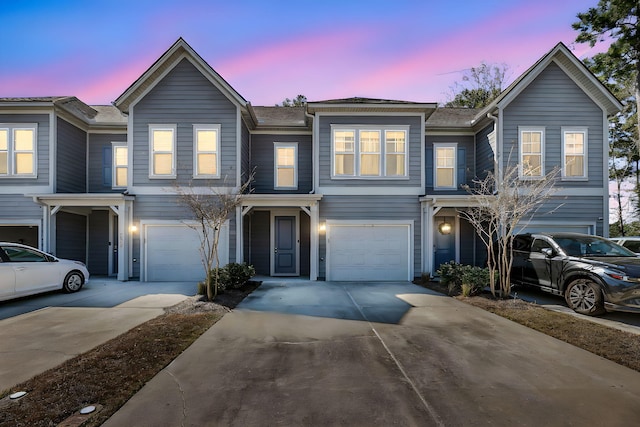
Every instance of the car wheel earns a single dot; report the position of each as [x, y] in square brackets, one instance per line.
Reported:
[73, 282]
[584, 296]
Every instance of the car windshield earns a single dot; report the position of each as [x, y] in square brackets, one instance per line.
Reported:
[591, 246]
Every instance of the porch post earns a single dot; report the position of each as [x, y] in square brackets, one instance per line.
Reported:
[314, 242]
[239, 236]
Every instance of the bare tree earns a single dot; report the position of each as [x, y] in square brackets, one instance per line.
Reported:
[211, 209]
[500, 209]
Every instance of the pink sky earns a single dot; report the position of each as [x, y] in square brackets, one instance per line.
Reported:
[415, 50]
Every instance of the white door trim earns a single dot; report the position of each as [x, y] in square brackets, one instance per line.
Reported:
[272, 239]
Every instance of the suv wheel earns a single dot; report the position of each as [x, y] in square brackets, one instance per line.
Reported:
[584, 296]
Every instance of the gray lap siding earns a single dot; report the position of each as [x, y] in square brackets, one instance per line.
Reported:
[263, 162]
[184, 97]
[43, 151]
[98, 143]
[372, 208]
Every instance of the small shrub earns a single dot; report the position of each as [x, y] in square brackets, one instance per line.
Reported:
[237, 274]
[463, 279]
[425, 278]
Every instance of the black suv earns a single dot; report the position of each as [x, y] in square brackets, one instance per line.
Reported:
[592, 273]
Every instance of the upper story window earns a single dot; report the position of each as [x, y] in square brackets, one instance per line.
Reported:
[120, 164]
[162, 151]
[18, 150]
[574, 153]
[369, 151]
[445, 165]
[286, 165]
[206, 151]
[531, 146]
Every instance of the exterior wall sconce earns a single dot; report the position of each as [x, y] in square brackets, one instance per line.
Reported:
[323, 227]
[133, 229]
[444, 228]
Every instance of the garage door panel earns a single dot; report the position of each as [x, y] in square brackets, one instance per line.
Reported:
[173, 253]
[369, 252]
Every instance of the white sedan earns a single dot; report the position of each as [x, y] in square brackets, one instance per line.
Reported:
[26, 271]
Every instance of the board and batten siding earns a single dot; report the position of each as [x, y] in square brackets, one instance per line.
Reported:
[414, 141]
[44, 153]
[485, 156]
[554, 101]
[71, 162]
[184, 97]
[372, 208]
[97, 144]
[263, 161]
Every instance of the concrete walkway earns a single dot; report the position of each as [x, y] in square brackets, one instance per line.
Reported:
[308, 354]
[40, 332]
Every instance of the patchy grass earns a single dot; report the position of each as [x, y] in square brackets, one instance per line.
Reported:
[113, 372]
[618, 346]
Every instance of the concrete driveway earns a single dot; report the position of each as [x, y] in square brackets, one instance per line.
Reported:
[363, 354]
[40, 332]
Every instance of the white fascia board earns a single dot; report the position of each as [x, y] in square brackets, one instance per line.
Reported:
[431, 132]
[16, 189]
[281, 132]
[171, 191]
[369, 113]
[370, 191]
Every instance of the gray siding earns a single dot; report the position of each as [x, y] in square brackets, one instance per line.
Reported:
[371, 208]
[245, 151]
[465, 168]
[149, 208]
[262, 159]
[485, 160]
[184, 98]
[99, 248]
[573, 210]
[415, 148]
[553, 100]
[259, 248]
[18, 206]
[43, 135]
[71, 161]
[71, 236]
[97, 144]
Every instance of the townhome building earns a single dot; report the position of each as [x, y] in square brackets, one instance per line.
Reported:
[343, 189]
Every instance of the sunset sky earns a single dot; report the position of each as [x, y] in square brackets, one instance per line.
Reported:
[271, 50]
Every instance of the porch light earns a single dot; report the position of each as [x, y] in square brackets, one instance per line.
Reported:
[444, 228]
[322, 228]
[133, 229]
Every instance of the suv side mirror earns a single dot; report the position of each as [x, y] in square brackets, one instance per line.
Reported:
[548, 252]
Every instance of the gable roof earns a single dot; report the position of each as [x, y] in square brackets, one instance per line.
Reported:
[574, 68]
[179, 50]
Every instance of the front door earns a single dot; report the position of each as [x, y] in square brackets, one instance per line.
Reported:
[285, 243]
[444, 242]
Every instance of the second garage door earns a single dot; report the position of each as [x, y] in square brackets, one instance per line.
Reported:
[172, 253]
[371, 252]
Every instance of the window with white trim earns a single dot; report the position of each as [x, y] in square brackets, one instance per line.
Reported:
[162, 151]
[531, 144]
[445, 165]
[369, 151]
[574, 153]
[120, 164]
[286, 165]
[18, 150]
[206, 151]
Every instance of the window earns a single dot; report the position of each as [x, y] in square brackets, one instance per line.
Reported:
[395, 152]
[574, 144]
[206, 160]
[162, 159]
[286, 165]
[18, 150]
[369, 152]
[24, 255]
[445, 165]
[120, 164]
[531, 152]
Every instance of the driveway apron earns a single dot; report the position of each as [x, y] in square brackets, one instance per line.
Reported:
[379, 354]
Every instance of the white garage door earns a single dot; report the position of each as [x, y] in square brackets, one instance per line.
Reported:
[372, 252]
[172, 253]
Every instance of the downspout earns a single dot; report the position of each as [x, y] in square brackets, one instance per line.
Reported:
[498, 148]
